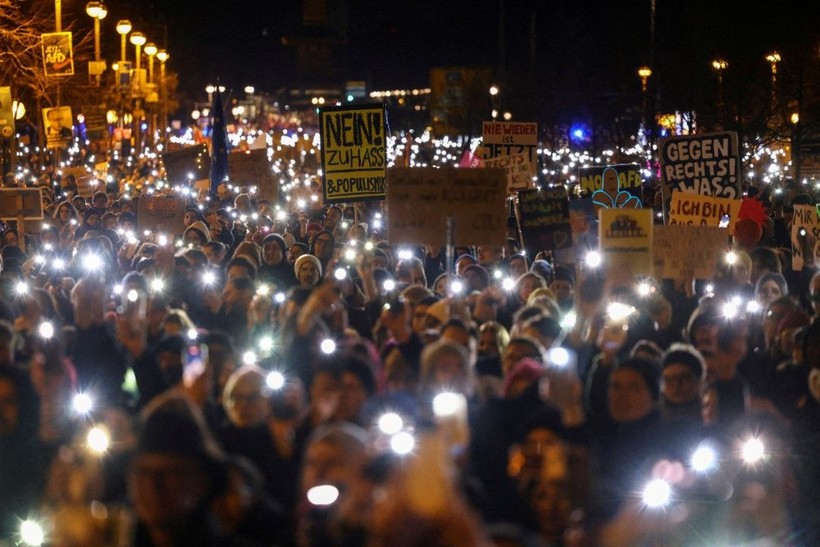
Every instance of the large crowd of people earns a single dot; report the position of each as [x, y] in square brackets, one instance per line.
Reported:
[289, 377]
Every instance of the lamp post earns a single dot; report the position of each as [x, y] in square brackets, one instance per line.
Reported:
[209, 89]
[97, 11]
[123, 28]
[163, 56]
[720, 65]
[773, 58]
[58, 16]
[138, 39]
[644, 73]
[150, 51]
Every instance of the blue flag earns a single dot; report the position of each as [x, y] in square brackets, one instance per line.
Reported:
[219, 143]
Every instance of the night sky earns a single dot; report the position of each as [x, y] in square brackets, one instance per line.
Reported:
[586, 51]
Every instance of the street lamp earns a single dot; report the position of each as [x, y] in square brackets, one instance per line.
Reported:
[123, 28]
[138, 39]
[644, 73]
[97, 11]
[720, 65]
[151, 50]
[163, 56]
[209, 89]
[494, 90]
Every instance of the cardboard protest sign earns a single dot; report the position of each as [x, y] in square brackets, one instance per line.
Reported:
[519, 171]
[508, 138]
[688, 208]
[252, 168]
[59, 126]
[354, 157]
[628, 175]
[190, 164]
[32, 203]
[625, 242]
[707, 164]
[86, 186]
[419, 200]
[58, 55]
[684, 252]
[76, 172]
[583, 222]
[543, 218]
[161, 215]
[805, 234]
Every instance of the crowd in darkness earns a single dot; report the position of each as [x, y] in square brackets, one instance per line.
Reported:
[292, 378]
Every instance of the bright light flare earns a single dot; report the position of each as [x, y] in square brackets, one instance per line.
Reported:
[31, 533]
[389, 285]
[97, 440]
[447, 404]
[644, 289]
[92, 262]
[340, 274]
[731, 258]
[249, 358]
[390, 423]
[21, 288]
[657, 494]
[323, 495]
[593, 259]
[508, 284]
[266, 343]
[618, 311]
[752, 451]
[157, 284]
[275, 380]
[402, 443]
[46, 330]
[704, 459]
[209, 278]
[328, 346]
[82, 403]
[558, 357]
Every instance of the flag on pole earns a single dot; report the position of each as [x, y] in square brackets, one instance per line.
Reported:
[219, 143]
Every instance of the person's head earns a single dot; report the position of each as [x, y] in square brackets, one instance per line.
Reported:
[215, 252]
[335, 455]
[702, 328]
[246, 397]
[519, 348]
[100, 200]
[492, 339]
[191, 215]
[411, 272]
[196, 235]
[308, 270]
[764, 260]
[773, 315]
[770, 286]
[814, 294]
[240, 267]
[490, 256]
[633, 390]
[518, 266]
[527, 283]
[296, 250]
[476, 278]
[543, 328]
[682, 374]
[332, 217]
[789, 325]
[463, 261]
[65, 212]
[418, 321]
[323, 245]
[273, 249]
[458, 331]
[91, 217]
[446, 366]
[177, 467]
[563, 285]
[357, 385]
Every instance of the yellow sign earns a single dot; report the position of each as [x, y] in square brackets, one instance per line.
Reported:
[354, 157]
[58, 55]
[698, 210]
[519, 171]
[625, 241]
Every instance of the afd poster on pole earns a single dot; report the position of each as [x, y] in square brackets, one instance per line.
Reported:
[707, 165]
[59, 126]
[354, 156]
[58, 54]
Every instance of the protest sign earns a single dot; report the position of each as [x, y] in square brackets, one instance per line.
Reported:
[706, 164]
[21, 202]
[252, 168]
[625, 242]
[508, 138]
[59, 125]
[420, 200]
[190, 164]
[519, 171]
[805, 234]
[75, 172]
[86, 186]
[161, 215]
[682, 251]
[688, 208]
[58, 55]
[583, 222]
[629, 180]
[354, 157]
[543, 218]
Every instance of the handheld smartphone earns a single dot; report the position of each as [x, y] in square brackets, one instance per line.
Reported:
[194, 365]
[135, 303]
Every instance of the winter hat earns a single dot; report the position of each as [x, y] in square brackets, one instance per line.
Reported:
[439, 311]
[526, 369]
[684, 354]
[648, 371]
[304, 258]
[777, 278]
[200, 227]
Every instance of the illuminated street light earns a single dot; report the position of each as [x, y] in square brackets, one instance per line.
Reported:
[151, 50]
[494, 90]
[97, 11]
[138, 39]
[644, 73]
[123, 28]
